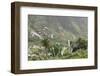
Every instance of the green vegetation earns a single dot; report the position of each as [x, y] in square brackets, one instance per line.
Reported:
[49, 51]
[57, 37]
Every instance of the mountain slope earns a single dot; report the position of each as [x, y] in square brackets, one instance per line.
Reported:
[58, 28]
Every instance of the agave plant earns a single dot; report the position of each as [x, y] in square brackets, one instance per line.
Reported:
[55, 49]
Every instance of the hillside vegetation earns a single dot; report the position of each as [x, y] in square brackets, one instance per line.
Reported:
[57, 37]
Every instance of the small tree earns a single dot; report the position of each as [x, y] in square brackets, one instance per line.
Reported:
[46, 43]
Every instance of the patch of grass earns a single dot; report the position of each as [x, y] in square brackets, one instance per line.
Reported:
[79, 54]
[39, 54]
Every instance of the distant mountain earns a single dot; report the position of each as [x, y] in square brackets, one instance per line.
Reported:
[59, 28]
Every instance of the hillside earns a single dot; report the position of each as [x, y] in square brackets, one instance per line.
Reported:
[58, 28]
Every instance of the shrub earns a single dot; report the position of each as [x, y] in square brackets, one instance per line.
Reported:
[45, 42]
[82, 43]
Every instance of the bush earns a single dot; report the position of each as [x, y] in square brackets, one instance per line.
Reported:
[82, 43]
[46, 43]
